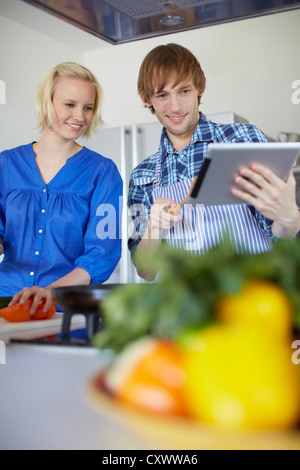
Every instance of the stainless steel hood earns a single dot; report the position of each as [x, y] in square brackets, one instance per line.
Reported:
[120, 21]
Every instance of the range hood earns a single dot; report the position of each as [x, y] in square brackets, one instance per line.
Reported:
[120, 21]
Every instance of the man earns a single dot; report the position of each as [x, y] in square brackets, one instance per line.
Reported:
[171, 84]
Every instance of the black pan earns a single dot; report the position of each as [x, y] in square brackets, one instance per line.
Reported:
[81, 299]
[85, 300]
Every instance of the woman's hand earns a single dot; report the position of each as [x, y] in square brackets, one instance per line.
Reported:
[273, 197]
[37, 294]
[76, 277]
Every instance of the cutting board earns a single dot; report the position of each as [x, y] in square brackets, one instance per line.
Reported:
[39, 326]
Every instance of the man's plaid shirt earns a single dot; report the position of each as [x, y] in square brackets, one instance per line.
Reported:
[177, 166]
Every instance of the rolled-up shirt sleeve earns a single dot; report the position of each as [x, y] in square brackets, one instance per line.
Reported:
[102, 239]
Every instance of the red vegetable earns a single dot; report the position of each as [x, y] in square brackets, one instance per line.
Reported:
[21, 312]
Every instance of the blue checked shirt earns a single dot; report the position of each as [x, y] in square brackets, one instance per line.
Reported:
[178, 166]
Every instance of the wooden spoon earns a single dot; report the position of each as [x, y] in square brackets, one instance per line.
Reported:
[176, 209]
[197, 181]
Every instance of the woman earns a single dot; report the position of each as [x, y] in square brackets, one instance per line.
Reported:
[51, 194]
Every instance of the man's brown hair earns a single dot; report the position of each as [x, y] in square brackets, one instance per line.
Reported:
[163, 62]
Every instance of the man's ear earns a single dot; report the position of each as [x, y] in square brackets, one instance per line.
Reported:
[203, 87]
[144, 100]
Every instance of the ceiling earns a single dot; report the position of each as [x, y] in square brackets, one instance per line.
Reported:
[121, 21]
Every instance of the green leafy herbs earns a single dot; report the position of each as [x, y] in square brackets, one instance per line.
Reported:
[188, 288]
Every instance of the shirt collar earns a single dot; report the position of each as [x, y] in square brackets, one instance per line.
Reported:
[204, 132]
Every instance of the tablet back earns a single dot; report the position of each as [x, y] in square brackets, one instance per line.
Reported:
[214, 183]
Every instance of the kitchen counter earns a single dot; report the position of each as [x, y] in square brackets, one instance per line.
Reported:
[43, 404]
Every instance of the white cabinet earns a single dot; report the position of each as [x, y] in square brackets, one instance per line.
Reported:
[227, 118]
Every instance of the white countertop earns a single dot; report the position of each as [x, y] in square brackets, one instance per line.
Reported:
[43, 404]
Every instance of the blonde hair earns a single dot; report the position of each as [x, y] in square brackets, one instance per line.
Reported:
[163, 61]
[44, 102]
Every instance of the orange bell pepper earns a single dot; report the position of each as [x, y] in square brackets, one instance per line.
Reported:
[16, 313]
[41, 315]
[21, 312]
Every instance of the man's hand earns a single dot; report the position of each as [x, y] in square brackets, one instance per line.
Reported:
[161, 219]
[273, 197]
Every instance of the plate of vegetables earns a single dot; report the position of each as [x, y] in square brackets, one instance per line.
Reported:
[206, 357]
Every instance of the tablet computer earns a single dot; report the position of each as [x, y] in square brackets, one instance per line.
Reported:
[223, 161]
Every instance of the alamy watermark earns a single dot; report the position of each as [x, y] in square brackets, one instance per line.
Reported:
[2, 92]
[182, 233]
[296, 354]
[2, 353]
[296, 94]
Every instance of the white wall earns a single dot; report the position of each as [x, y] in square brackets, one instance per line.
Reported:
[25, 56]
[250, 67]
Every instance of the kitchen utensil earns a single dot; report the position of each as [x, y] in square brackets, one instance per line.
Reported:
[176, 209]
[84, 300]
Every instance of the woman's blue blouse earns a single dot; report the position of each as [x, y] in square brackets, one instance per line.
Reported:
[49, 230]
